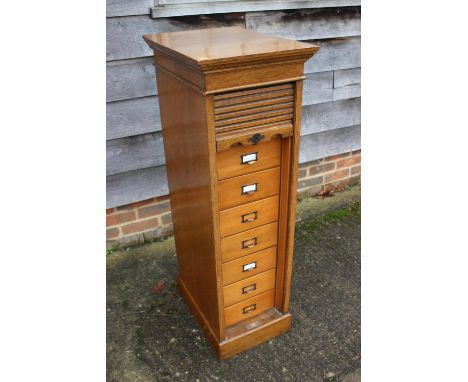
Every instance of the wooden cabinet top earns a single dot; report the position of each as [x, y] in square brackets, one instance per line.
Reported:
[206, 48]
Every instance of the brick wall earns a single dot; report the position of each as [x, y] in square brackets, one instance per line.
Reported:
[329, 174]
[138, 222]
[150, 219]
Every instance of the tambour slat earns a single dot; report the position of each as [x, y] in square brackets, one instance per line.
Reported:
[252, 91]
[258, 122]
[245, 118]
[251, 105]
[253, 97]
[255, 111]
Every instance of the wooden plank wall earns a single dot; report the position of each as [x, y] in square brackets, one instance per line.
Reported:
[331, 101]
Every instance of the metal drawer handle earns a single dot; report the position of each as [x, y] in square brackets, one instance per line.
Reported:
[249, 308]
[249, 266]
[251, 216]
[249, 243]
[249, 158]
[249, 288]
[249, 188]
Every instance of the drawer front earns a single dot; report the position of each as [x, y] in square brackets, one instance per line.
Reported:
[249, 287]
[249, 265]
[247, 242]
[248, 188]
[249, 308]
[251, 215]
[242, 160]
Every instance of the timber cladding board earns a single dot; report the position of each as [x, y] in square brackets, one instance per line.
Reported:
[124, 34]
[128, 7]
[133, 153]
[307, 24]
[332, 86]
[136, 185]
[335, 54]
[347, 84]
[331, 142]
[168, 8]
[330, 116]
[318, 88]
[130, 79]
[321, 3]
[132, 117]
[132, 186]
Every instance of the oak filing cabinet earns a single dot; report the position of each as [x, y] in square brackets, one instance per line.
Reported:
[230, 103]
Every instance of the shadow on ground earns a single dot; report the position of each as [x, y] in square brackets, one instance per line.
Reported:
[151, 335]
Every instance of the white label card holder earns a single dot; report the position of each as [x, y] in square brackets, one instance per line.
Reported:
[248, 267]
[249, 188]
[249, 158]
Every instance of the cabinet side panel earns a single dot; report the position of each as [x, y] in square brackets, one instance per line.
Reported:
[184, 123]
[283, 220]
[292, 197]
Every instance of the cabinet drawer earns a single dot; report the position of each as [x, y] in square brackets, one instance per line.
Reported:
[248, 188]
[249, 308]
[242, 160]
[249, 265]
[249, 287]
[247, 242]
[248, 216]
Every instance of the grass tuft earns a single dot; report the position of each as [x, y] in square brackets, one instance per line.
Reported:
[353, 210]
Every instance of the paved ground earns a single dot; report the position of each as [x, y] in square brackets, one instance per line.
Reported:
[151, 335]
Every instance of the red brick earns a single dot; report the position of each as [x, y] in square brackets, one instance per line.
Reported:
[124, 207]
[162, 197]
[314, 162]
[309, 182]
[134, 205]
[335, 157]
[140, 226]
[109, 211]
[302, 173]
[154, 209]
[356, 159]
[143, 202]
[112, 233]
[166, 219]
[325, 167]
[356, 170]
[336, 175]
[120, 218]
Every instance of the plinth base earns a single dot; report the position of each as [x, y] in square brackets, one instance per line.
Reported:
[243, 335]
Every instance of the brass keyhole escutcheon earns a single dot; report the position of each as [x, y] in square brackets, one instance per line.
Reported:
[257, 137]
